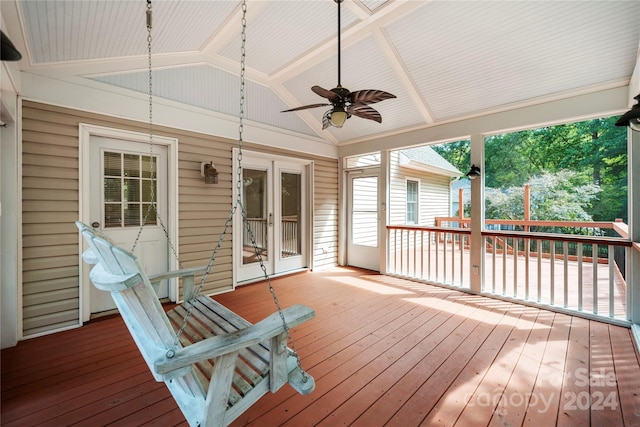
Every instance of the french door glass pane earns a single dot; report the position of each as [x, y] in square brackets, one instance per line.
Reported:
[291, 233]
[254, 236]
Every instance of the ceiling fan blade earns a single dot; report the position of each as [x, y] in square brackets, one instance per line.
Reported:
[325, 93]
[370, 96]
[304, 107]
[325, 119]
[364, 111]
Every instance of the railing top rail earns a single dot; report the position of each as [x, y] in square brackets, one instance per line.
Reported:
[455, 230]
[560, 237]
[539, 223]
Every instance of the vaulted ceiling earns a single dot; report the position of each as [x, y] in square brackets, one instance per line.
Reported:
[444, 60]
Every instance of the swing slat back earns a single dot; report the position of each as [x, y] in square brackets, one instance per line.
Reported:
[221, 363]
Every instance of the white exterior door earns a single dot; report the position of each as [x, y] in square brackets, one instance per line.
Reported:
[274, 198]
[363, 220]
[125, 178]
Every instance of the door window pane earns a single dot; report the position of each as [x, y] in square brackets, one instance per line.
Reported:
[364, 216]
[291, 232]
[127, 185]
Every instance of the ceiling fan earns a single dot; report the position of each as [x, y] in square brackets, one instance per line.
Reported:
[345, 103]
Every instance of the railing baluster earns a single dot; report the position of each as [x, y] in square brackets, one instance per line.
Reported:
[594, 257]
[437, 255]
[552, 267]
[505, 249]
[580, 288]
[565, 248]
[539, 257]
[407, 251]
[515, 267]
[421, 253]
[526, 268]
[612, 261]
[445, 265]
[429, 256]
[461, 239]
[453, 259]
[493, 264]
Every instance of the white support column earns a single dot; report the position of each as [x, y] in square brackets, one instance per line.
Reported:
[477, 214]
[10, 272]
[383, 212]
[633, 261]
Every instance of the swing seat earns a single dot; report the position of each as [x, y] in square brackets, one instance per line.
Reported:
[222, 364]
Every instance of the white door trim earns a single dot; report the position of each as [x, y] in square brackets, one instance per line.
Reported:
[86, 131]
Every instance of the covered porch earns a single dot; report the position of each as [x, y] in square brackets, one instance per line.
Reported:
[383, 350]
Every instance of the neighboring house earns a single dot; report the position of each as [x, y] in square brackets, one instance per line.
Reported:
[419, 186]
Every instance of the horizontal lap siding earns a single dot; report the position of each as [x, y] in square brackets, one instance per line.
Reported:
[50, 285]
[51, 291]
[325, 215]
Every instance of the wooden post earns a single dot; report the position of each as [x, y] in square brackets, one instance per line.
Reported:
[527, 205]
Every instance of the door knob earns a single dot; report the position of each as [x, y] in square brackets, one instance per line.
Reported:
[95, 224]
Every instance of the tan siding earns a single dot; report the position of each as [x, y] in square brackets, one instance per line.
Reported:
[325, 215]
[50, 203]
[50, 150]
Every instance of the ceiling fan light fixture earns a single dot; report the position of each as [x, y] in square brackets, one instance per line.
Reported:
[632, 117]
[338, 117]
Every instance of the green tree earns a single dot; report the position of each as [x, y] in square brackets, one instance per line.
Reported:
[560, 196]
[594, 150]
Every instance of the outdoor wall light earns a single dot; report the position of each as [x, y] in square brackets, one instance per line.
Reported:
[474, 172]
[632, 117]
[209, 173]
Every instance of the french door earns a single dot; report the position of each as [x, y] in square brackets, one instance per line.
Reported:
[363, 220]
[274, 228]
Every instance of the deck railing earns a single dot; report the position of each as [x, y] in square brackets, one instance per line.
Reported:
[582, 274]
[289, 235]
[430, 253]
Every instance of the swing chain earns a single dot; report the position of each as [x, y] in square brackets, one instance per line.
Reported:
[293, 351]
[152, 158]
[238, 204]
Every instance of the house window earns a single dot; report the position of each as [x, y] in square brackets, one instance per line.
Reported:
[412, 202]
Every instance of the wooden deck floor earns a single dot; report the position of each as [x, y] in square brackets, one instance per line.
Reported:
[383, 351]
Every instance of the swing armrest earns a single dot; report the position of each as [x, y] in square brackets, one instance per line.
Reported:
[192, 271]
[222, 344]
[188, 275]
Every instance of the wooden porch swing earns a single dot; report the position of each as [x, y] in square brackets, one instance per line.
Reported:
[214, 362]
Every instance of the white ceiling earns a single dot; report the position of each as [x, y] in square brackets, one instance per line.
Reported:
[444, 60]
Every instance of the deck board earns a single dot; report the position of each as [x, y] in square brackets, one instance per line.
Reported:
[383, 351]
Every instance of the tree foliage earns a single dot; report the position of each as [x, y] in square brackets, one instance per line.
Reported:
[589, 154]
[560, 196]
